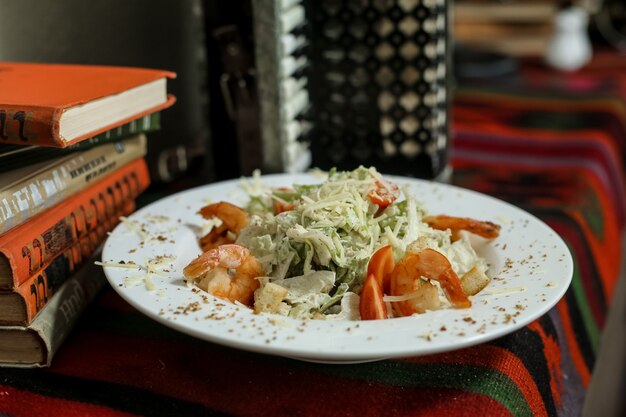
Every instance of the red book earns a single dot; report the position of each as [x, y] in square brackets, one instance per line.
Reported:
[25, 249]
[58, 105]
[20, 306]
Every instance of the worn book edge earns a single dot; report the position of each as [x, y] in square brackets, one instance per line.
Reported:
[25, 249]
[21, 305]
[14, 156]
[57, 319]
[23, 198]
[38, 100]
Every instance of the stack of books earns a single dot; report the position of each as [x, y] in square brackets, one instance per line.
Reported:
[72, 162]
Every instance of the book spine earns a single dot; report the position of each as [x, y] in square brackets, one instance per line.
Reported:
[29, 246]
[40, 288]
[42, 190]
[28, 125]
[16, 156]
[55, 322]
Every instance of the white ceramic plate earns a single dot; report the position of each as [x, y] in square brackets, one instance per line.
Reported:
[530, 265]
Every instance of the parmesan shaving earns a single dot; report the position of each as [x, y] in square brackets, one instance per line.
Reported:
[134, 227]
[255, 187]
[148, 283]
[155, 266]
[158, 218]
[209, 224]
[112, 264]
[499, 291]
[133, 281]
[399, 298]
[503, 220]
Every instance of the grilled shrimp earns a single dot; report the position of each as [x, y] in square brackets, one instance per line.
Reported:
[228, 271]
[485, 229]
[406, 280]
[233, 220]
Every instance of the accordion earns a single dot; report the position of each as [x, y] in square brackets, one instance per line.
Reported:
[348, 83]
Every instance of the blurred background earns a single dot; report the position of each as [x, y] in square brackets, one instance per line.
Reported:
[285, 85]
[232, 116]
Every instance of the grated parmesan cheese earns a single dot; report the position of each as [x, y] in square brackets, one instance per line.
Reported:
[500, 291]
[133, 226]
[112, 264]
[148, 283]
[133, 281]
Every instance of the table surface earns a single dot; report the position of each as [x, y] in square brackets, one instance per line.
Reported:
[555, 148]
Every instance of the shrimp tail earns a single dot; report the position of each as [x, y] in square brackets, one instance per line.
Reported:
[486, 229]
[233, 219]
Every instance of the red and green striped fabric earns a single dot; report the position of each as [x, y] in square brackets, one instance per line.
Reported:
[564, 166]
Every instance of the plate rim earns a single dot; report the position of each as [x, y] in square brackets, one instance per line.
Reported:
[338, 356]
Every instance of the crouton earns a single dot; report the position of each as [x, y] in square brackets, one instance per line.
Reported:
[474, 280]
[269, 298]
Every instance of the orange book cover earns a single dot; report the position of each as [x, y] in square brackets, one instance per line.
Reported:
[42, 104]
[20, 306]
[26, 248]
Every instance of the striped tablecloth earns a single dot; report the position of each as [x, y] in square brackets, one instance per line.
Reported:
[559, 156]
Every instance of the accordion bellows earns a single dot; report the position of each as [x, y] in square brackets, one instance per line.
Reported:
[347, 83]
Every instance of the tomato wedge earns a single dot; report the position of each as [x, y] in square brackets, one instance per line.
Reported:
[380, 265]
[280, 207]
[371, 304]
[383, 195]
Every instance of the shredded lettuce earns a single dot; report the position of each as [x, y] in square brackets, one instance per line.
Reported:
[319, 249]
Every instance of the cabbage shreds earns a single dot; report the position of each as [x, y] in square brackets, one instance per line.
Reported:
[333, 226]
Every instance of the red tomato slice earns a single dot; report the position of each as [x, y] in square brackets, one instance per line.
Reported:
[371, 305]
[280, 207]
[383, 195]
[380, 265]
